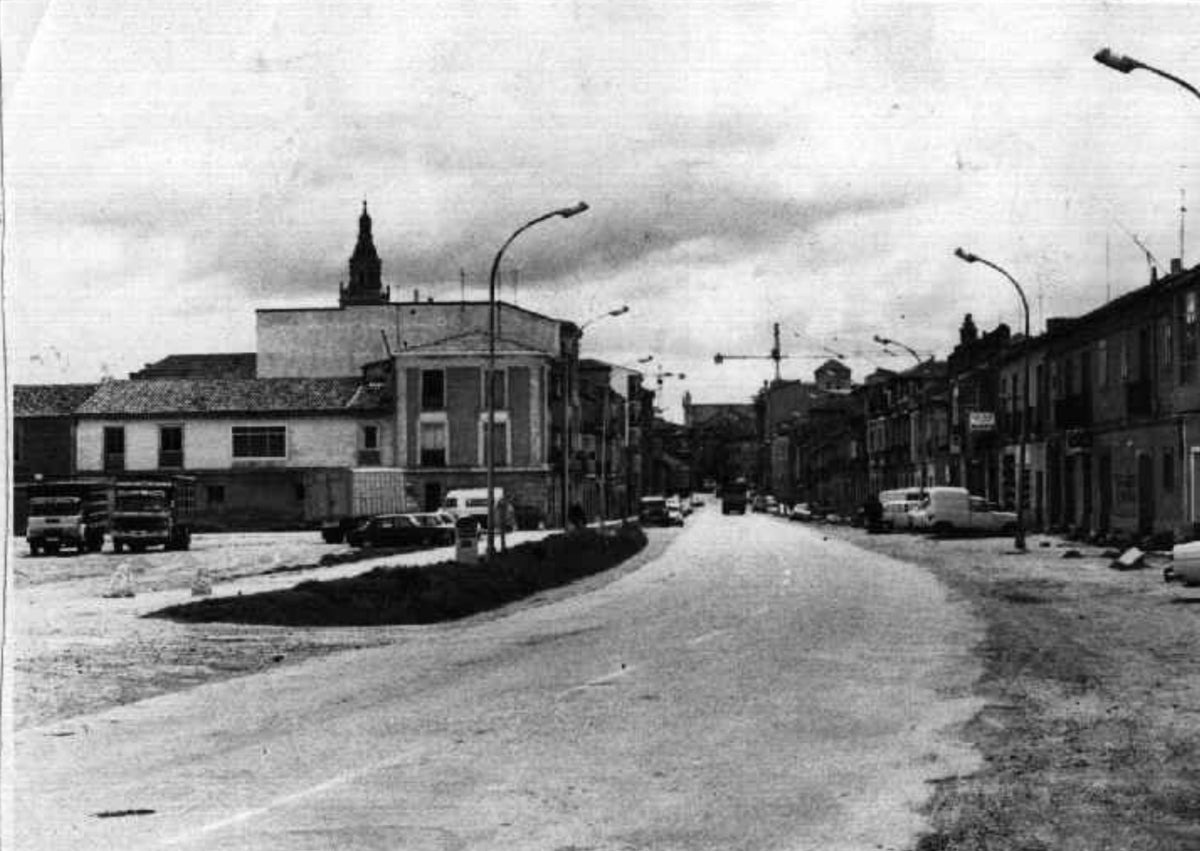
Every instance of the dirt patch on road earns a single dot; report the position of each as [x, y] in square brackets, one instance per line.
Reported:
[1091, 736]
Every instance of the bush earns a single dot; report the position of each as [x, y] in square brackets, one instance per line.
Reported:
[428, 593]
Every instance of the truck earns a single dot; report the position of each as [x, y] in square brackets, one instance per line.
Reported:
[68, 513]
[153, 512]
[341, 499]
[733, 497]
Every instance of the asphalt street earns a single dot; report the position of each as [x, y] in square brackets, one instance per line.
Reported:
[755, 686]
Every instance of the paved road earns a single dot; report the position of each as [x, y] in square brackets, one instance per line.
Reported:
[755, 686]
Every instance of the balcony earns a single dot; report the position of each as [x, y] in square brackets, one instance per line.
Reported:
[1073, 411]
[170, 459]
[1139, 399]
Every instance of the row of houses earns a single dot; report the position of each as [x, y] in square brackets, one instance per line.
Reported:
[1107, 405]
[369, 383]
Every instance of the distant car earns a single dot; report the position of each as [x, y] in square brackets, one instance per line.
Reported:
[801, 511]
[674, 517]
[652, 511]
[389, 530]
[438, 526]
[697, 501]
[674, 503]
[951, 510]
[759, 503]
[771, 505]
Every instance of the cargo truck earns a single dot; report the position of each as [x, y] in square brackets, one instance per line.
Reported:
[153, 512]
[68, 514]
[734, 496]
[341, 499]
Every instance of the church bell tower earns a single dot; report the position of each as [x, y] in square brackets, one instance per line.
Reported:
[365, 285]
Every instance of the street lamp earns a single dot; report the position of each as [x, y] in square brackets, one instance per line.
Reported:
[566, 213]
[885, 341]
[1019, 535]
[620, 311]
[1125, 64]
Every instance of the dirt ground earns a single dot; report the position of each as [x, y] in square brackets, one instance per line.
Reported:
[78, 651]
[1091, 735]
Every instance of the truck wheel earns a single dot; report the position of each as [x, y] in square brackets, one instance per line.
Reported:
[117, 545]
[35, 549]
[942, 529]
[51, 549]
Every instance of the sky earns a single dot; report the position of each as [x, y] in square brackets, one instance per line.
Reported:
[170, 167]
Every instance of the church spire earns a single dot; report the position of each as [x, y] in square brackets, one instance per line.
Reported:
[366, 285]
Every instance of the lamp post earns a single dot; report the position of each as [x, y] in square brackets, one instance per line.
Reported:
[885, 341]
[620, 311]
[1019, 535]
[566, 213]
[1125, 64]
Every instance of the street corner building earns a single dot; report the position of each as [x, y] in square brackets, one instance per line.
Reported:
[393, 391]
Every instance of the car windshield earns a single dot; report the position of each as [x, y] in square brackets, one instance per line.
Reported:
[56, 507]
[141, 501]
[653, 502]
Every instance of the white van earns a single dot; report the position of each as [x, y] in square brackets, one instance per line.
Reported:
[945, 510]
[896, 506]
[472, 502]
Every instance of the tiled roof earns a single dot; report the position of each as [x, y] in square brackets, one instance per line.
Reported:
[232, 396]
[227, 365]
[49, 400]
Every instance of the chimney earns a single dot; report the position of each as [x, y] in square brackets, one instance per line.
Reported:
[416, 295]
[1176, 265]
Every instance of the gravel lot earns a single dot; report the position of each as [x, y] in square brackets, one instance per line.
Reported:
[77, 651]
[1091, 734]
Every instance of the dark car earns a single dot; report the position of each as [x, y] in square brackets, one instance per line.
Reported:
[652, 511]
[389, 530]
[439, 528]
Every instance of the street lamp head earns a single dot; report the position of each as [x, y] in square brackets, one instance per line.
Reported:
[1116, 61]
[567, 212]
[965, 255]
[620, 311]
[718, 358]
[646, 359]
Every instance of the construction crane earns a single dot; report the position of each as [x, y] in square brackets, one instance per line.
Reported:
[775, 355]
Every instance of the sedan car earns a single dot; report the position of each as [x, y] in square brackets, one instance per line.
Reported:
[800, 511]
[439, 528]
[390, 530]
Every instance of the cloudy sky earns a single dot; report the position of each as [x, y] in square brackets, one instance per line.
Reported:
[172, 166]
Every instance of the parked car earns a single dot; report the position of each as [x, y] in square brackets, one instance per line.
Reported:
[697, 501]
[800, 511]
[896, 507]
[438, 526]
[759, 503]
[675, 509]
[652, 511]
[771, 505]
[389, 530]
[948, 510]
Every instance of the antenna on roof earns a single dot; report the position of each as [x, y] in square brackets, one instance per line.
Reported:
[1151, 260]
[1182, 216]
[462, 284]
[387, 348]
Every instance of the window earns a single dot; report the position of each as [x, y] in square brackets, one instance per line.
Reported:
[18, 440]
[170, 447]
[499, 441]
[1102, 363]
[114, 447]
[368, 448]
[433, 444]
[1187, 339]
[259, 441]
[500, 387]
[433, 390]
[370, 437]
[215, 494]
[1168, 470]
[1124, 359]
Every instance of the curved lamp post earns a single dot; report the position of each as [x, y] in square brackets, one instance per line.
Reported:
[1125, 64]
[620, 311]
[885, 341]
[1019, 535]
[565, 213]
